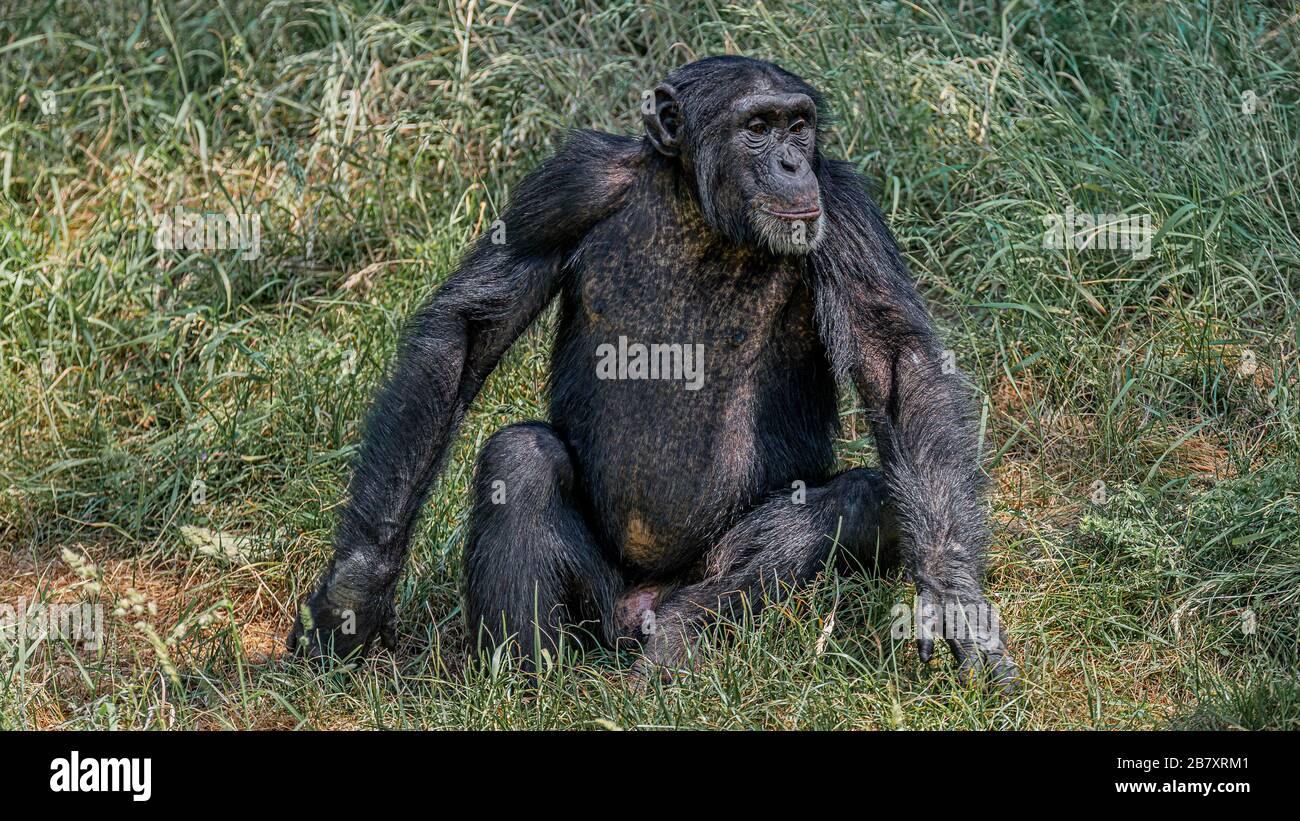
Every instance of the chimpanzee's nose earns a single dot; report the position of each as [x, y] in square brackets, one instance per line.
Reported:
[791, 159]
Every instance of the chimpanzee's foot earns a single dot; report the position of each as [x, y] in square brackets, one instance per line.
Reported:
[666, 655]
[775, 548]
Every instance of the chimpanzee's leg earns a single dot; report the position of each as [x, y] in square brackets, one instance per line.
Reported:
[532, 566]
[781, 544]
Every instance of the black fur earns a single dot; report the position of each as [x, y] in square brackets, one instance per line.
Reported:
[648, 497]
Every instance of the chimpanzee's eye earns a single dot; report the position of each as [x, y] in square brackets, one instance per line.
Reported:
[797, 127]
[757, 126]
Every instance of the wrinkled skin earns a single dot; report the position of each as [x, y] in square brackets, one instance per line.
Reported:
[647, 507]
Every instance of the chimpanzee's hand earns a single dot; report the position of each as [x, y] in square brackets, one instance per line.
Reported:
[973, 630]
[341, 620]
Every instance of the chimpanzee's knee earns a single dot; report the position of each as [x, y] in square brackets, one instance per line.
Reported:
[532, 566]
[523, 463]
[856, 505]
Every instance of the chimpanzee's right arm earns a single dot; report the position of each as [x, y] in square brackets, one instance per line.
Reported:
[447, 351]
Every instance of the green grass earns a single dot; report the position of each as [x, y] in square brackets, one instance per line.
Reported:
[378, 138]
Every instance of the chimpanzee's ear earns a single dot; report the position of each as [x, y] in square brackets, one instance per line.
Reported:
[663, 120]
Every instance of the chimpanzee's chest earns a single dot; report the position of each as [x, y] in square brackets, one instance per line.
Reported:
[688, 382]
[729, 304]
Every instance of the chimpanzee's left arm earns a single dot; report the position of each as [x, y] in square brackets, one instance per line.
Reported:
[880, 336]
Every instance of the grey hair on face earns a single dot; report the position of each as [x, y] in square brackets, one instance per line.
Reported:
[782, 236]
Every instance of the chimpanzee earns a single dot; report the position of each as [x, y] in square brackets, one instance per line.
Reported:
[717, 278]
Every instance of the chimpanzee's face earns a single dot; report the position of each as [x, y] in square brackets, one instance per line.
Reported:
[747, 140]
[765, 187]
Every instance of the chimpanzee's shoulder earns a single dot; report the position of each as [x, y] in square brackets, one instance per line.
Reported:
[845, 186]
[857, 243]
[586, 180]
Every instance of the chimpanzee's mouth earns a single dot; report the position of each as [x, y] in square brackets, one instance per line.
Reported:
[806, 214]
